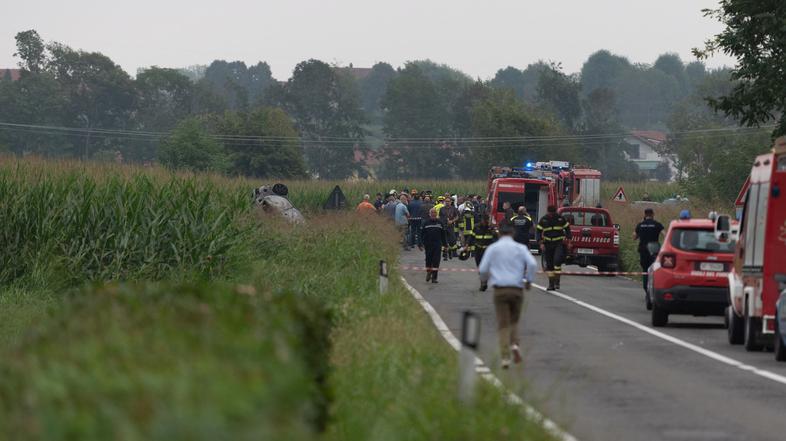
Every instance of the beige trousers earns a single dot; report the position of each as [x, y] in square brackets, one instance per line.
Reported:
[508, 304]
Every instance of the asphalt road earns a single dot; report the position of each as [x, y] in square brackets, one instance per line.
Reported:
[603, 379]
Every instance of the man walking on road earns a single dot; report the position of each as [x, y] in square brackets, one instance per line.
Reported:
[648, 234]
[432, 236]
[509, 267]
[415, 219]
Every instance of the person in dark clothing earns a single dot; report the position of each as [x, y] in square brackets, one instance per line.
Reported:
[552, 232]
[415, 219]
[482, 236]
[379, 202]
[449, 216]
[648, 233]
[425, 206]
[522, 225]
[433, 238]
[509, 214]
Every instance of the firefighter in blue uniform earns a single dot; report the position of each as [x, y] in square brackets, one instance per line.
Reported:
[432, 237]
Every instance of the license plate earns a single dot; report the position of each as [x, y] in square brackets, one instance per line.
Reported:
[585, 251]
[711, 266]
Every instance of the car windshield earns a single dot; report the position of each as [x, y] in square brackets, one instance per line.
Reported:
[587, 218]
[691, 239]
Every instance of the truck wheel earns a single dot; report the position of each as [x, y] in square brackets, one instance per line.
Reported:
[608, 266]
[659, 317]
[735, 327]
[751, 338]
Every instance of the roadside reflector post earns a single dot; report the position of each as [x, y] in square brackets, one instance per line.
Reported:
[383, 277]
[470, 336]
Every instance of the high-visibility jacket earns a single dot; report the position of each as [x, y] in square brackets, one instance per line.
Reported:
[482, 237]
[467, 222]
[552, 228]
[438, 207]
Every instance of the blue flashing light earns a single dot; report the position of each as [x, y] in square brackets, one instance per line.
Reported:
[529, 165]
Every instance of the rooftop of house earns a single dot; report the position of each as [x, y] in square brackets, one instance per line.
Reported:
[652, 137]
[13, 72]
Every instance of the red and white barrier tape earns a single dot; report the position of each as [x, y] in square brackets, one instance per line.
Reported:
[563, 273]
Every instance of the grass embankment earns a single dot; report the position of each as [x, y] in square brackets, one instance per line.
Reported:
[202, 319]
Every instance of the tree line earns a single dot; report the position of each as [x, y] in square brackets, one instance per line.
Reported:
[422, 119]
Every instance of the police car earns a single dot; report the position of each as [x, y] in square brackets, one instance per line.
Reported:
[689, 275]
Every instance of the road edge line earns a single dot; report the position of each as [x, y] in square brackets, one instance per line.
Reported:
[669, 338]
[481, 369]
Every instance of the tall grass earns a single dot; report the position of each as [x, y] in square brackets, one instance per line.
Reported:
[63, 222]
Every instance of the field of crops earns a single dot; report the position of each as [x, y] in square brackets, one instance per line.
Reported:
[139, 304]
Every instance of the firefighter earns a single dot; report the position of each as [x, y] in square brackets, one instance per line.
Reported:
[433, 238]
[522, 225]
[467, 222]
[483, 235]
[449, 217]
[552, 232]
[440, 204]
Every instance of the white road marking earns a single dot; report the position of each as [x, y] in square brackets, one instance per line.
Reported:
[695, 348]
[484, 371]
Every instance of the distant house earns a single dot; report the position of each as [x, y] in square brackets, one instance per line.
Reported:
[643, 150]
[358, 73]
[9, 74]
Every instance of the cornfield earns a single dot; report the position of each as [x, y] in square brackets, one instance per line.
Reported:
[92, 223]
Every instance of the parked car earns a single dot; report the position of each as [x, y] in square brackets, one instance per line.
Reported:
[596, 240]
[689, 275]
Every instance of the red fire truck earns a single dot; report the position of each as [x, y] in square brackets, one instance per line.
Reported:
[540, 184]
[758, 277]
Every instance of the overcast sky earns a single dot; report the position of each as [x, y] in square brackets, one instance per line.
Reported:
[475, 36]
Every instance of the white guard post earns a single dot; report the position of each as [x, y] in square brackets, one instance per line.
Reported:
[470, 336]
[383, 277]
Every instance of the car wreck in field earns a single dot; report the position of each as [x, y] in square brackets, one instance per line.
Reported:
[274, 200]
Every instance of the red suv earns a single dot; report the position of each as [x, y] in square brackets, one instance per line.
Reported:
[690, 274]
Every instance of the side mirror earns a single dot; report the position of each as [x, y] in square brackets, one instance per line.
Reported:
[617, 227]
[723, 228]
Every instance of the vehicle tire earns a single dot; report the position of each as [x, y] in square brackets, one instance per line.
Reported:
[648, 300]
[659, 317]
[751, 337]
[608, 266]
[735, 327]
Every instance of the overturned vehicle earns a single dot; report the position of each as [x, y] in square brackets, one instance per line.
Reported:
[274, 200]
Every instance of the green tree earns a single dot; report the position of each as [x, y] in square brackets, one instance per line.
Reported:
[190, 147]
[607, 154]
[262, 143]
[325, 106]
[602, 70]
[524, 83]
[708, 164]
[30, 49]
[754, 34]
[164, 97]
[559, 93]
[373, 88]
[501, 114]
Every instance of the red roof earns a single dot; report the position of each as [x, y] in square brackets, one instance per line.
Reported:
[14, 73]
[652, 137]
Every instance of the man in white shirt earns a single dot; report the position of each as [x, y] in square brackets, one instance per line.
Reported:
[508, 267]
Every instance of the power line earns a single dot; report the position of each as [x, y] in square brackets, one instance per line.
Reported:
[418, 143]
